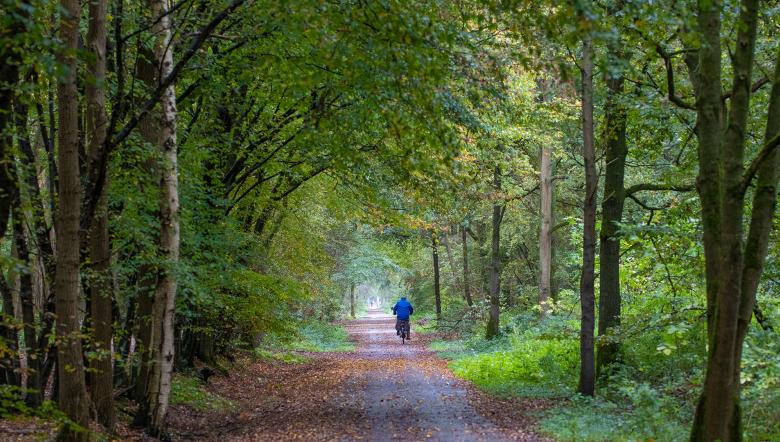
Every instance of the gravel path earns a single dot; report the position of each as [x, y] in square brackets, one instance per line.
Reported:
[381, 391]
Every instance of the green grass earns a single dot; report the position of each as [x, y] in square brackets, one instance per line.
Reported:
[187, 390]
[286, 357]
[310, 337]
[321, 337]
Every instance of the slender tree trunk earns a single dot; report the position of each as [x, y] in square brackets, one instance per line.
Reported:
[39, 354]
[451, 261]
[352, 300]
[149, 129]
[436, 276]
[11, 56]
[495, 261]
[611, 216]
[162, 331]
[9, 361]
[466, 285]
[587, 295]
[545, 233]
[32, 353]
[143, 322]
[101, 296]
[73, 398]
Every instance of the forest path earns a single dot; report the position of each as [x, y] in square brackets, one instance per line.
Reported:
[381, 391]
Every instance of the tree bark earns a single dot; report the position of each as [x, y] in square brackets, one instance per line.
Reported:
[9, 361]
[73, 398]
[611, 215]
[495, 261]
[721, 166]
[32, 354]
[436, 276]
[149, 129]
[587, 295]
[545, 233]
[352, 300]
[451, 261]
[101, 296]
[162, 325]
[11, 56]
[466, 285]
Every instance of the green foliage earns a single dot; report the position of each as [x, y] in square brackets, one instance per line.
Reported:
[12, 405]
[530, 359]
[644, 415]
[190, 391]
[286, 357]
[311, 336]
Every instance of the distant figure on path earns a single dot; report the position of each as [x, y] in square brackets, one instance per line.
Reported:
[402, 310]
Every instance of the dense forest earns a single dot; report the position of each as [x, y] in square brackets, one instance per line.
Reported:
[577, 197]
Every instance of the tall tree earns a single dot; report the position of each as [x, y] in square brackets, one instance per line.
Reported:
[545, 232]
[352, 300]
[101, 297]
[161, 340]
[436, 275]
[73, 398]
[11, 54]
[587, 277]
[733, 264]
[616, 150]
[495, 258]
[466, 285]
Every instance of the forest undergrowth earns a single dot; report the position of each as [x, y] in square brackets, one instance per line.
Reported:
[650, 395]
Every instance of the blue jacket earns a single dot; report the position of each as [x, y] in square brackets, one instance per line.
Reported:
[403, 309]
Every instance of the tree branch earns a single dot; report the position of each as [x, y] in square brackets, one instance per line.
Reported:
[756, 86]
[642, 204]
[670, 79]
[97, 181]
[751, 171]
[654, 187]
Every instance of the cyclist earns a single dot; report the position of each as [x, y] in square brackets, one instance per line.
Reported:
[402, 310]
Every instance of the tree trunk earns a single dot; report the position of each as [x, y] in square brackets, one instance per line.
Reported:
[451, 261]
[352, 300]
[161, 342]
[143, 332]
[495, 261]
[73, 398]
[611, 216]
[721, 167]
[587, 295]
[11, 55]
[9, 361]
[466, 286]
[436, 276]
[38, 349]
[101, 367]
[32, 353]
[545, 233]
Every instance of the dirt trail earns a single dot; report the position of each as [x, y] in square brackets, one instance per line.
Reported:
[381, 391]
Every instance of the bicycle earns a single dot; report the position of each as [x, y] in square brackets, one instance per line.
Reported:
[405, 331]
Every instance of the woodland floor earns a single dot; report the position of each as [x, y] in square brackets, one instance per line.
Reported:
[381, 391]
